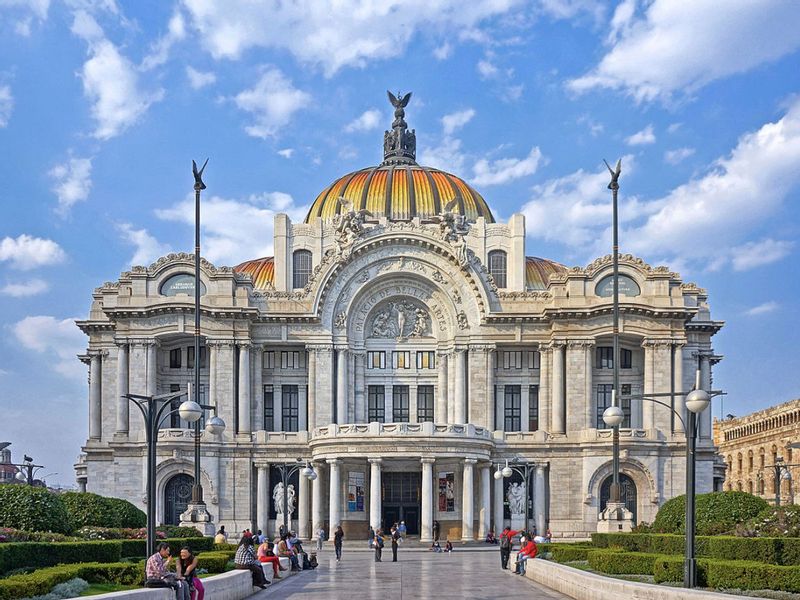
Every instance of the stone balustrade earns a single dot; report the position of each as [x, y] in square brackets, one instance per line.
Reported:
[401, 429]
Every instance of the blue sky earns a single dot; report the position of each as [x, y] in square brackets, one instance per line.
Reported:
[103, 105]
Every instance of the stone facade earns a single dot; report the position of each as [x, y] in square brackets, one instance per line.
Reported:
[752, 445]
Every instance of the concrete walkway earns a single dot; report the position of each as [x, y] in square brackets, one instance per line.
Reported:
[417, 575]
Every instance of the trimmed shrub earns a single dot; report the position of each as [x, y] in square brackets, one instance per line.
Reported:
[213, 562]
[69, 589]
[225, 547]
[669, 569]
[42, 581]
[87, 509]
[790, 551]
[614, 562]
[783, 521]
[8, 534]
[126, 514]
[563, 553]
[716, 513]
[32, 509]
[173, 531]
[747, 575]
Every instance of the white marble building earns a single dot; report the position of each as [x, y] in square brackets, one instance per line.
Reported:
[402, 342]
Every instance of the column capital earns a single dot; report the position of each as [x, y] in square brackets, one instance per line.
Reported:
[470, 461]
[580, 343]
[219, 343]
[657, 342]
[427, 460]
[139, 341]
[121, 341]
[375, 461]
[555, 344]
[261, 464]
[99, 353]
[319, 347]
[333, 461]
[245, 344]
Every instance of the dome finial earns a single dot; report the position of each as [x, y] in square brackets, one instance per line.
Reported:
[399, 144]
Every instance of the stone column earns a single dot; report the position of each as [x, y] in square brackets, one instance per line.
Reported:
[545, 387]
[375, 492]
[539, 500]
[257, 397]
[359, 389]
[212, 349]
[589, 416]
[648, 412]
[485, 502]
[302, 408]
[491, 407]
[497, 520]
[468, 501]
[559, 417]
[95, 395]
[677, 383]
[316, 501]
[335, 508]
[152, 368]
[341, 387]
[123, 387]
[262, 496]
[460, 406]
[245, 425]
[426, 530]
[440, 415]
[704, 418]
[302, 507]
[312, 393]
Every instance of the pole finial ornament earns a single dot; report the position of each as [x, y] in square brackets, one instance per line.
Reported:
[615, 172]
[198, 176]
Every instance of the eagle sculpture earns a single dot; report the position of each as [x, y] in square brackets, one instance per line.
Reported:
[402, 102]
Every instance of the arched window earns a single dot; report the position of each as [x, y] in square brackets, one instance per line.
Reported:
[301, 268]
[497, 267]
[739, 462]
[749, 487]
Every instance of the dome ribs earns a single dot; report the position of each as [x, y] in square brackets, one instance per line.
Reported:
[412, 196]
[437, 202]
[389, 206]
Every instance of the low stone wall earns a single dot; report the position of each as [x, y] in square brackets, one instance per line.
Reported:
[233, 585]
[589, 586]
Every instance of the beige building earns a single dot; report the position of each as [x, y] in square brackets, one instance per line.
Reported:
[406, 344]
[752, 445]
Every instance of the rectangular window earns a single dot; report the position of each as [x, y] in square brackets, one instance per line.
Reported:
[625, 358]
[376, 359]
[425, 404]
[400, 404]
[190, 357]
[534, 359]
[512, 359]
[401, 359]
[604, 401]
[512, 408]
[175, 421]
[605, 358]
[290, 398]
[426, 359]
[376, 406]
[175, 358]
[269, 408]
[290, 359]
[269, 359]
[533, 408]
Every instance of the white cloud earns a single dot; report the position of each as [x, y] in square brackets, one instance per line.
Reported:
[272, 102]
[286, 152]
[766, 307]
[25, 288]
[678, 155]
[642, 138]
[454, 121]
[486, 69]
[333, 34]
[682, 46]
[504, 170]
[443, 52]
[235, 230]
[595, 128]
[159, 52]
[368, 120]
[61, 342]
[6, 104]
[25, 11]
[26, 252]
[755, 254]
[447, 155]
[199, 79]
[569, 9]
[73, 182]
[147, 247]
[110, 82]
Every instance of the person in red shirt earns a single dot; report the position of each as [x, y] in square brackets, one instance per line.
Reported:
[506, 544]
[527, 552]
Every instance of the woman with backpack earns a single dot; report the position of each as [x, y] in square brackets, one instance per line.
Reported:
[506, 544]
[378, 545]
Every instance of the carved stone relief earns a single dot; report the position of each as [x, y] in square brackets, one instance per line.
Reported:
[399, 320]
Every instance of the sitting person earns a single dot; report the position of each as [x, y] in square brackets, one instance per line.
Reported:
[490, 539]
[187, 571]
[266, 554]
[222, 536]
[246, 559]
[436, 547]
[157, 575]
[285, 551]
[448, 546]
[527, 552]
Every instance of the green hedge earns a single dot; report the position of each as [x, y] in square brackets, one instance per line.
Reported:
[42, 581]
[716, 513]
[214, 562]
[730, 574]
[32, 509]
[563, 553]
[225, 547]
[86, 509]
[615, 562]
[127, 515]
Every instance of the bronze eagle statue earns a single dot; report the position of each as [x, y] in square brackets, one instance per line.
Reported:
[198, 175]
[402, 102]
[614, 174]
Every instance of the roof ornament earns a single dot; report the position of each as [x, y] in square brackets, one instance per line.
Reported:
[399, 144]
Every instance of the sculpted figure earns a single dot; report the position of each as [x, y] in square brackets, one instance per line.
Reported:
[516, 499]
[349, 225]
[277, 497]
[381, 326]
[420, 323]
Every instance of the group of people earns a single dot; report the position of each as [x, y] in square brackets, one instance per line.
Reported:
[528, 548]
[396, 534]
[435, 546]
[183, 580]
[338, 539]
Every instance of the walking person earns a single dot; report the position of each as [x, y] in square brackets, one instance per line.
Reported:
[378, 545]
[506, 544]
[402, 530]
[320, 538]
[338, 536]
[395, 543]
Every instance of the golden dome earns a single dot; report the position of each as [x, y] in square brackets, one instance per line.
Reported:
[538, 271]
[262, 270]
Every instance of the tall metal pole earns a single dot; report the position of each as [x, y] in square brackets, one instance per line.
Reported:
[151, 433]
[614, 187]
[285, 482]
[197, 488]
[777, 471]
[690, 566]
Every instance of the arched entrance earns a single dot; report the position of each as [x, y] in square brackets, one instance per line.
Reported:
[627, 493]
[177, 493]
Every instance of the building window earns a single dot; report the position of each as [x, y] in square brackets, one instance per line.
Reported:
[401, 359]
[175, 421]
[605, 358]
[625, 358]
[269, 408]
[739, 462]
[175, 358]
[269, 359]
[512, 408]
[290, 400]
[750, 461]
[534, 360]
[190, 357]
[376, 406]
[400, 404]
[604, 401]
[426, 359]
[425, 404]
[533, 408]
[497, 267]
[376, 359]
[512, 359]
[290, 359]
[301, 268]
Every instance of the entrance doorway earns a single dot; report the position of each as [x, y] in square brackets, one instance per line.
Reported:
[401, 500]
[177, 494]
[627, 493]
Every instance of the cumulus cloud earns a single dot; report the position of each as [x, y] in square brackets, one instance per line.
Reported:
[23, 289]
[26, 252]
[23, 13]
[332, 34]
[73, 181]
[147, 247]
[6, 104]
[367, 121]
[454, 121]
[504, 170]
[54, 338]
[755, 254]
[272, 102]
[762, 309]
[679, 47]
[642, 138]
[286, 152]
[199, 79]
[678, 155]
[159, 52]
[235, 230]
[443, 52]
[447, 155]
[110, 81]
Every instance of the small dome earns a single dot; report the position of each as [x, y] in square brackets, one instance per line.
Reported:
[262, 270]
[538, 271]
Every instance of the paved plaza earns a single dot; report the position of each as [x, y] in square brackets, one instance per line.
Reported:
[417, 574]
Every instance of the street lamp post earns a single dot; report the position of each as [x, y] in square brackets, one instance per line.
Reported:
[286, 471]
[522, 468]
[780, 470]
[26, 471]
[697, 401]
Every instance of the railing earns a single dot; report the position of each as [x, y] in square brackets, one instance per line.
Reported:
[405, 429]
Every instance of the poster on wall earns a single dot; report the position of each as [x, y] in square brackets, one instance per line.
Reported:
[355, 491]
[447, 497]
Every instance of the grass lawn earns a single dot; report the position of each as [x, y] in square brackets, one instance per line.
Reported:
[105, 588]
